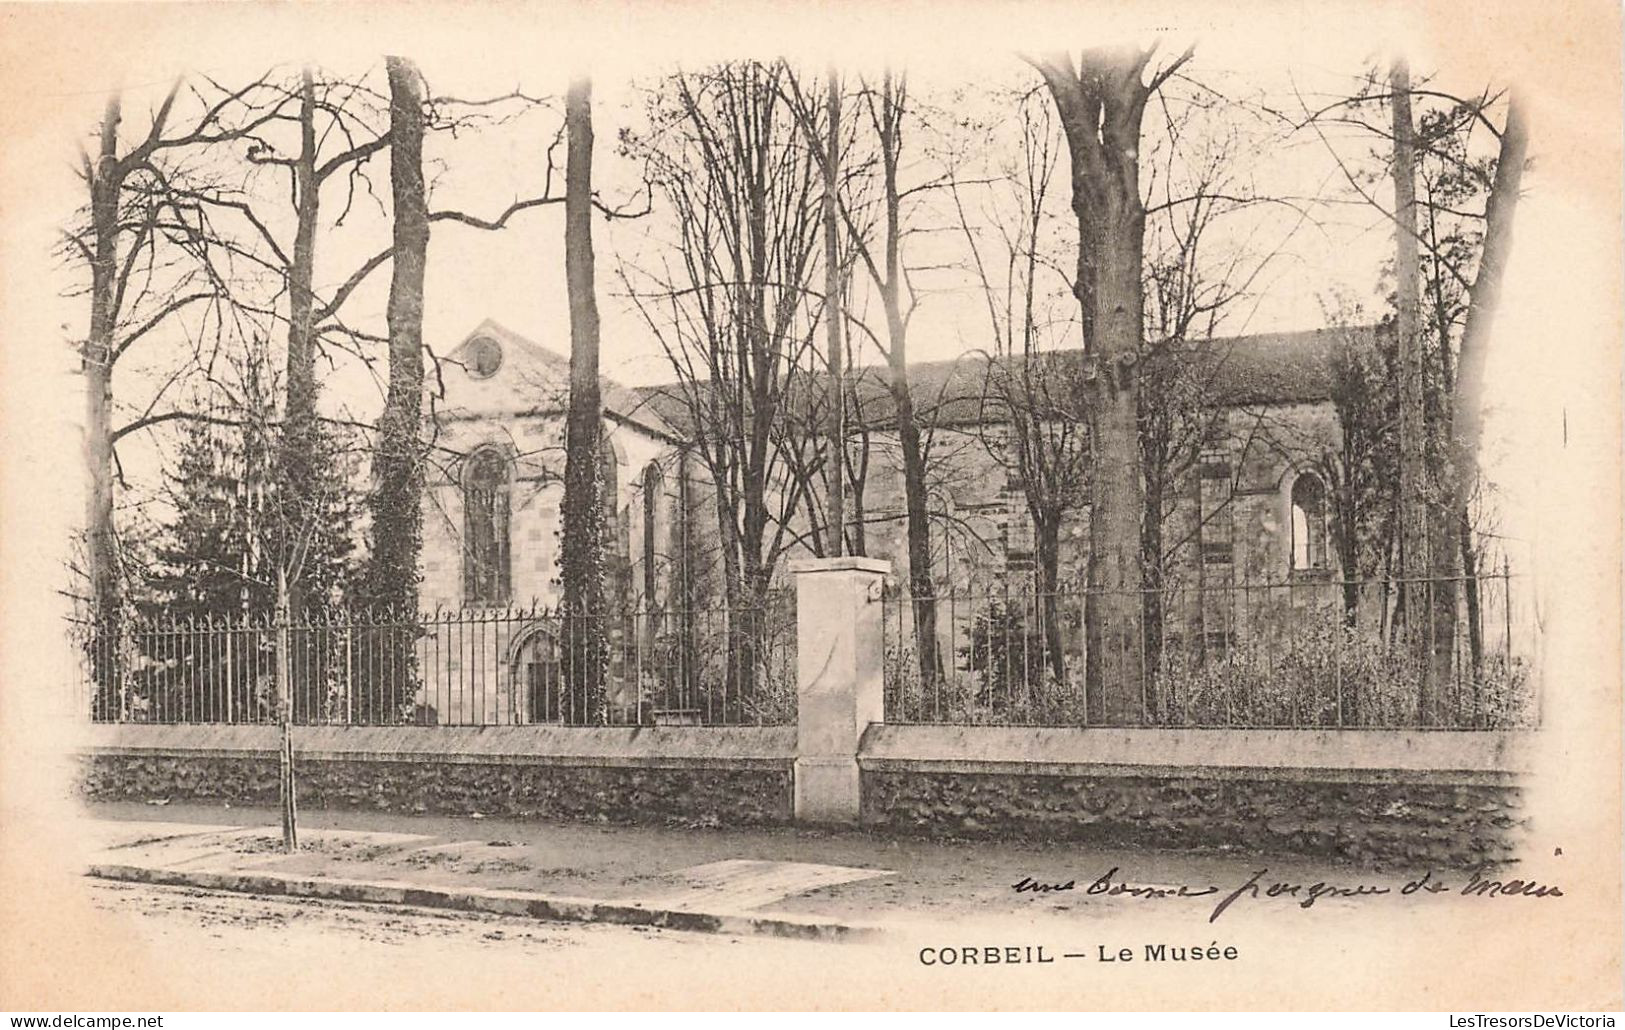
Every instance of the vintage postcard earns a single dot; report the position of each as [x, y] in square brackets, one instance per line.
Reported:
[535, 506]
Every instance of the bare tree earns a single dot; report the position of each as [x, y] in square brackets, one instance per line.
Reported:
[582, 550]
[806, 453]
[734, 313]
[1101, 100]
[833, 322]
[1034, 408]
[335, 127]
[398, 462]
[136, 239]
[1448, 234]
[326, 131]
[1467, 415]
[1210, 236]
[886, 115]
[1454, 176]
[888, 108]
[238, 233]
[193, 250]
[1414, 588]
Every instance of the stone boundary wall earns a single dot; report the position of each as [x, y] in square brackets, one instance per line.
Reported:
[1441, 755]
[692, 776]
[1383, 797]
[1439, 799]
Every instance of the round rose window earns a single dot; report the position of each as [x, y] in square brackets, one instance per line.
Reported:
[484, 357]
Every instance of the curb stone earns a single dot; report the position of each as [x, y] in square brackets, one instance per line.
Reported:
[487, 900]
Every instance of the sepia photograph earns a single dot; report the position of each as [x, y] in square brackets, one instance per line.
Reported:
[798, 506]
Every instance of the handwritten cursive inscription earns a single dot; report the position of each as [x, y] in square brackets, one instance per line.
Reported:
[1303, 894]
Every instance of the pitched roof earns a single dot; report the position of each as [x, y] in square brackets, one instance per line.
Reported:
[1236, 371]
[619, 401]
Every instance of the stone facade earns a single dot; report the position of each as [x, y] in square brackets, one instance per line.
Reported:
[491, 525]
[515, 412]
[491, 511]
[1230, 510]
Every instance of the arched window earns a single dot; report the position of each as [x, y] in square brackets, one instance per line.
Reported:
[485, 528]
[1308, 522]
[617, 560]
[654, 489]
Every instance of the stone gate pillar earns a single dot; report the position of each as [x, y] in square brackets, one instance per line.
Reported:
[840, 651]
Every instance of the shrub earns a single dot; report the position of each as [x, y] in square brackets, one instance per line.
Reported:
[1324, 673]
[1006, 654]
[1002, 678]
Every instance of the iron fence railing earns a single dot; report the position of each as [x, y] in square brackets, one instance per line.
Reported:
[1313, 651]
[1309, 652]
[488, 667]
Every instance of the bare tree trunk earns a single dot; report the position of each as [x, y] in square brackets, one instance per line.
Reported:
[1113, 611]
[1047, 531]
[101, 559]
[287, 793]
[1153, 579]
[1346, 515]
[688, 593]
[921, 582]
[301, 368]
[1475, 605]
[733, 592]
[397, 521]
[1467, 425]
[1101, 103]
[1348, 554]
[833, 314]
[582, 552]
[1468, 420]
[298, 444]
[857, 477]
[752, 648]
[1413, 514]
[1446, 525]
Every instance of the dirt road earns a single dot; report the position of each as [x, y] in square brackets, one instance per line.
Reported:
[190, 948]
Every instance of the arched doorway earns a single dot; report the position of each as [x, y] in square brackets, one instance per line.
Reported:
[535, 671]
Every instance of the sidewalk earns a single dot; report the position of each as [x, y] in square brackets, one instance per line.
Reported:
[789, 882]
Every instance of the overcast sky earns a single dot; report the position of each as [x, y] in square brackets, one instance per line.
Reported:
[1298, 259]
[516, 276]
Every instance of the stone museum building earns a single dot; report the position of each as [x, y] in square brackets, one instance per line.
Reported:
[1245, 505]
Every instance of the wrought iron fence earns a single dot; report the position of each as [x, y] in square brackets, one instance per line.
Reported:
[1309, 652]
[705, 667]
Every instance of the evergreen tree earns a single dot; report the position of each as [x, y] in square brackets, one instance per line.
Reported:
[207, 561]
[204, 581]
[216, 562]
